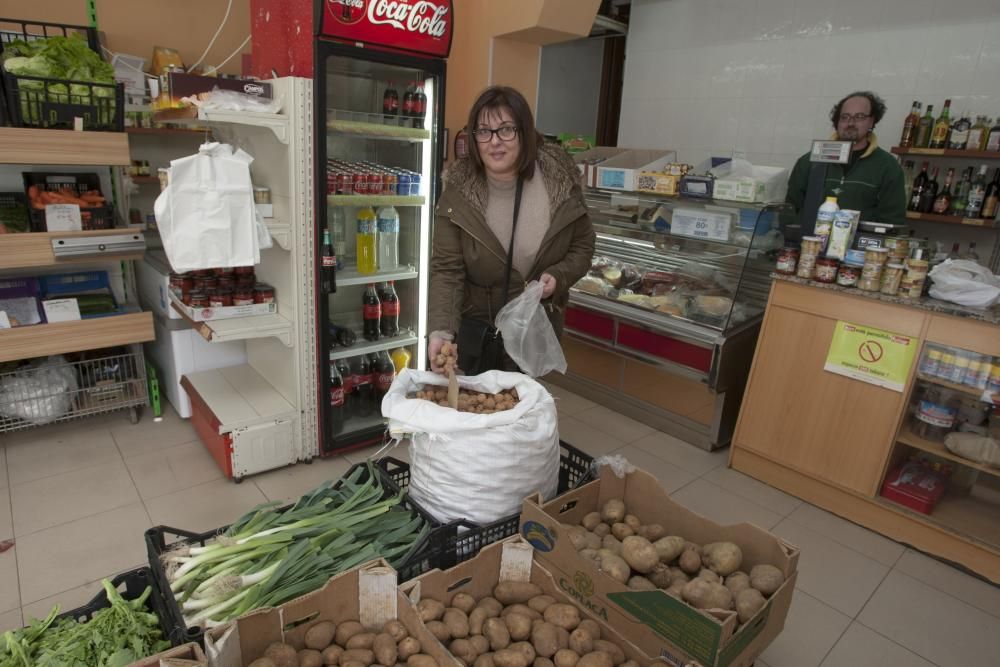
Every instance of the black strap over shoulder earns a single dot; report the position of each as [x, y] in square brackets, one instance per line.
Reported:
[513, 229]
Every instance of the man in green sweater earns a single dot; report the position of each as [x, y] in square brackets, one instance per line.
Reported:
[872, 182]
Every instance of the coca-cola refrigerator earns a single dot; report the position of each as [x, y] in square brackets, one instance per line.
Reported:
[379, 73]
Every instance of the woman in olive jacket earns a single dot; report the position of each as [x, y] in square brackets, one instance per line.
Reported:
[553, 241]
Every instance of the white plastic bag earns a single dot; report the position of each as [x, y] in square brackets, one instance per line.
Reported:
[472, 466]
[527, 333]
[964, 282]
[40, 393]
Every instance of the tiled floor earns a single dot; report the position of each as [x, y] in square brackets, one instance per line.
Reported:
[77, 498]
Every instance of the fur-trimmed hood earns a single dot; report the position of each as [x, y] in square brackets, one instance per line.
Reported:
[557, 169]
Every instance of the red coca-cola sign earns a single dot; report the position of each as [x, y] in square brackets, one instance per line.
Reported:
[419, 26]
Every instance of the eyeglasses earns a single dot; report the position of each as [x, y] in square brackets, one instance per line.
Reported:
[485, 134]
[857, 118]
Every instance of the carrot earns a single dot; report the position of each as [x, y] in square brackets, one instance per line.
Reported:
[33, 193]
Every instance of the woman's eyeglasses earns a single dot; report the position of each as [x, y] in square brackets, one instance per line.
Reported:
[485, 134]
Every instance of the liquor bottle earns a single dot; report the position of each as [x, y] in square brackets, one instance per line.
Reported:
[943, 201]
[961, 197]
[977, 193]
[993, 142]
[919, 183]
[337, 396]
[929, 193]
[390, 101]
[991, 200]
[910, 124]
[925, 127]
[371, 313]
[942, 128]
[328, 268]
[978, 134]
[959, 138]
[908, 167]
[389, 321]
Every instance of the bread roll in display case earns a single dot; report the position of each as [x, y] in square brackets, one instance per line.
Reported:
[663, 328]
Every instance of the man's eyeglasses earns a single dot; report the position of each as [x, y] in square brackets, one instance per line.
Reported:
[485, 134]
[857, 118]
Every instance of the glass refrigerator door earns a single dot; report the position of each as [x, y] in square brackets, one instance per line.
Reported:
[378, 164]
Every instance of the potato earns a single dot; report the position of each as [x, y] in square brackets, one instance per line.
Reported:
[439, 630]
[596, 659]
[613, 511]
[688, 544]
[669, 548]
[485, 660]
[748, 603]
[612, 544]
[309, 657]
[319, 635]
[545, 639]
[640, 583]
[363, 655]
[421, 660]
[510, 657]
[678, 573]
[429, 610]
[621, 530]
[515, 592]
[457, 622]
[708, 575]
[592, 541]
[690, 561]
[353, 663]
[676, 588]
[541, 602]
[385, 649]
[639, 553]
[660, 575]
[464, 650]
[737, 581]
[542, 662]
[590, 554]
[766, 579]
[519, 626]
[564, 657]
[464, 601]
[591, 520]
[562, 637]
[602, 529]
[490, 604]
[629, 663]
[496, 631]
[581, 642]
[477, 617]
[592, 628]
[263, 662]
[361, 640]
[576, 536]
[653, 532]
[480, 643]
[522, 609]
[346, 630]
[281, 654]
[703, 594]
[526, 649]
[331, 655]
[561, 615]
[408, 647]
[723, 558]
[612, 649]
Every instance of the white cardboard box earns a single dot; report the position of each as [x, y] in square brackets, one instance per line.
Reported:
[767, 184]
[589, 171]
[224, 313]
[621, 171]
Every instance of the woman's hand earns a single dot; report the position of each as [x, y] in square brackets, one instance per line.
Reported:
[436, 340]
[548, 285]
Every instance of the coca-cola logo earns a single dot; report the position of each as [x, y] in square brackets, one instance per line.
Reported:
[420, 16]
[347, 11]
[384, 380]
[336, 397]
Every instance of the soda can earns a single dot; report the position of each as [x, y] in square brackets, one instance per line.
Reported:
[345, 185]
[389, 184]
[375, 183]
[403, 183]
[414, 183]
[360, 182]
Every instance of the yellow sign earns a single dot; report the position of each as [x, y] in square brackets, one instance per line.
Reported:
[871, 355]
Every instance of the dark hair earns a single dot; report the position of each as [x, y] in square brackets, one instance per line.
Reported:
[492, 100]
[876, 104]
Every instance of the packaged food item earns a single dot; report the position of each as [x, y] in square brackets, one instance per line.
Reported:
[824, 220]
[856, 257]
[936, 413]
[221, 298]
[263, 293]
[198, 299]
[243, 296]
[930, 363]
[812, 245]
[848, 274]
[845, 222]
[261, 194]
[891, 276]
[915, 278]
[826, 270]
[876, 256]
[788, 259]
[806, 267]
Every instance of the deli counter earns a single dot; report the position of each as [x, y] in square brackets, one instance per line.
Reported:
[663, 328]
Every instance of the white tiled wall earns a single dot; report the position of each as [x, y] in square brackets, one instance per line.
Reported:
[706, 77]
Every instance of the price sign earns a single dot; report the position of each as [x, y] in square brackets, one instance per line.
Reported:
[63, 218]
[701, 224]
[61, 310]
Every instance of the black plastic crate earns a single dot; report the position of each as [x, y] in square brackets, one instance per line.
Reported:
[94, 217]
[161, 539]
[131, 585]
[461, 540]
[14, 211]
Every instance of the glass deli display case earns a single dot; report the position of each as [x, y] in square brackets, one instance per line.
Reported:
[671, 308]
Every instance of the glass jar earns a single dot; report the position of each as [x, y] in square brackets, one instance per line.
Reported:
[224, 271]
[812, 245]
[198, 299]
[826, 270]
[806, 267]
[848, 274]
[936, 413]
[261, 195]
[891, 276]
[871, 277]
[930, 364]
[243, 296]
[177, 285]
[205, 283]
[243, 270]
[876, 256]
[221, 298]
[788, 259]
[263, 293]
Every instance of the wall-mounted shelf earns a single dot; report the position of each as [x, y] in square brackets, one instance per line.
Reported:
[978, 394]
[947, 152]
[42, 340]
[910, 439]
[63, 147]
[281, 232]
[164, 131]
[276, 122]
[375, 200]
[951, 219]
[242, 328]
[20, 251]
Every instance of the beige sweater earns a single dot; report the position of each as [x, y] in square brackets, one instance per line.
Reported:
[532, 223]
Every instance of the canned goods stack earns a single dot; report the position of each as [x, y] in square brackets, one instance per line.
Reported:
[219, 288]
[368, 178]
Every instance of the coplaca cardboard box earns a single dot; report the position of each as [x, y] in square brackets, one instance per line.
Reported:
[367, 593]
[185, 655]
[512, 559]
[622, 171]
[659, 624]
[588, 161]
[765, 184]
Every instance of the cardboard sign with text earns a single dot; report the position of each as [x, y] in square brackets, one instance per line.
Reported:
[659, 624]
[882, 358]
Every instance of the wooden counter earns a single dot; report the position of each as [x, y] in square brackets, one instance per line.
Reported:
[830, 439]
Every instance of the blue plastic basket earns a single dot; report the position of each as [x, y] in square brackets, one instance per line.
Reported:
[65, 285]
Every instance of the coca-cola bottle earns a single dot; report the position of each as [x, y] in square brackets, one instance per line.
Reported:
[328, 266]
[372, 312]
[364, 389]
[419, 107]
[389, 322]
[337, 416]
[409, 102]
[345, 372]
[384, 373]
[390, 101]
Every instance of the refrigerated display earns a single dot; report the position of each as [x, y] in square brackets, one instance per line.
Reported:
[379, 104]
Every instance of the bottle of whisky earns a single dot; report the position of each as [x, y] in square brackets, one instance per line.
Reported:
[942, 128]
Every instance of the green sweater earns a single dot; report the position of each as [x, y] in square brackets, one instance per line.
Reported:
[873, 185]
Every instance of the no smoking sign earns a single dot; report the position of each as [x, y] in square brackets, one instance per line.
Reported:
[870, 351]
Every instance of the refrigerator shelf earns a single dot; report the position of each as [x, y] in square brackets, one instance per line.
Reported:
[350, 276]
[375, 200]
[376, 131]
[404, 339]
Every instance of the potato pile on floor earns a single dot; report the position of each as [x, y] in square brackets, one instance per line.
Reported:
[470, 401]
[349, 644]
[519, 626]
[645, 557]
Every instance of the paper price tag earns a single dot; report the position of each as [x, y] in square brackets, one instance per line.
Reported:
[700, 224]
[63, 218]
[61, 310]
